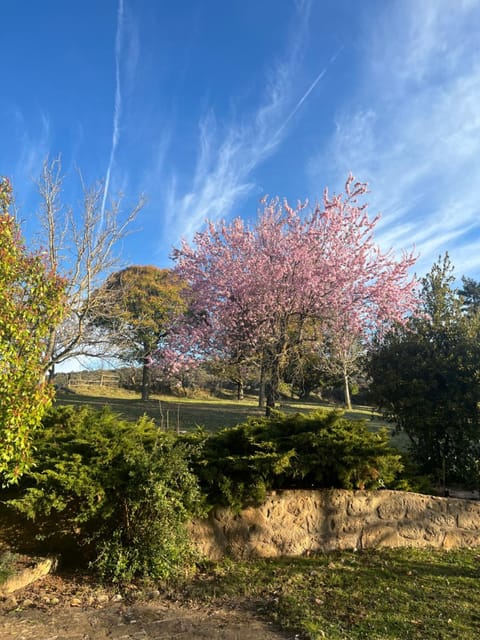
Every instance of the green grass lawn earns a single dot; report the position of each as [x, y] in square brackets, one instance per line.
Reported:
[188, 413]
[183, 413]
[387, 594]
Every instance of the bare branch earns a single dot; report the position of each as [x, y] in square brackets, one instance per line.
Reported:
[80, 245]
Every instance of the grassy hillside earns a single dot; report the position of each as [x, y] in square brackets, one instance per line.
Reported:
[187, 413]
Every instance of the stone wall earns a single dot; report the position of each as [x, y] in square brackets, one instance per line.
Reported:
[292, 523]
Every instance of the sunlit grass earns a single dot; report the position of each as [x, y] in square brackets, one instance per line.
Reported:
[212, 413]
[387, 594]
[169, 412]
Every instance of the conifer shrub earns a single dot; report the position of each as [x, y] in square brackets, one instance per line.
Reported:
[119, 493]
[237, 466]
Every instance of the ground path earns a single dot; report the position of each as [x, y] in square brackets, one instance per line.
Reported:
[57, 608]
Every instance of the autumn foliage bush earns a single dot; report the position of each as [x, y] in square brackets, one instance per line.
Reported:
[31, 305]
[237, 466]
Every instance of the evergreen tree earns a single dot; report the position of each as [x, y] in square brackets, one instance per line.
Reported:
[470, 294]
[424, 376]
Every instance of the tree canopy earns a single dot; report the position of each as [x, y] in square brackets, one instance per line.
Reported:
[138, 307]
[258, 292]
[425, 377]
[470, 293]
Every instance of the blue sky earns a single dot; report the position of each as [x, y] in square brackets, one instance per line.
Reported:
[206, 106]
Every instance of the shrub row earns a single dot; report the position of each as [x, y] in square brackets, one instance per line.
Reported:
[237, 466]
[120, 494]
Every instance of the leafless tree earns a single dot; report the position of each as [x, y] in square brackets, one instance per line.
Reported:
[82, 246]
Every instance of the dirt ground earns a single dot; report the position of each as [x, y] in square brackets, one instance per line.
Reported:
[68, 608]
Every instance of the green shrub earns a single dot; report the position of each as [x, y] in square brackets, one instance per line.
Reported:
[237, 466]
[119, 492]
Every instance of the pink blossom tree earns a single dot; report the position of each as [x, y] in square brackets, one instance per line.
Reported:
[257, 291]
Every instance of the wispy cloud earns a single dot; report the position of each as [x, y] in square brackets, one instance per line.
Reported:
[228, 155]
[415, 131]
[32, 146]
[117, 109]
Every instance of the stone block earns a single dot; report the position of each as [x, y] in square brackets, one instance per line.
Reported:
[436, 503]
[361, 505]
[444, 520]
[347, 541]
[299, 505]
[264, 550]
[26, 576]
[434, 535]
[469, 518]
[411, 530]
[381, 535]
[315, 522]
[461, 538]
[347, 526]
[335, 500]
[392, 509]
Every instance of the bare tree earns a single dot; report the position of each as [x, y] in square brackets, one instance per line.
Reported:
[82, 246]
[341, 357]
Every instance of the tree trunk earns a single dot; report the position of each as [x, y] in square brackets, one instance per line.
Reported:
[49, 364]
[146, 379]
[51, 374]
[270, 399]
[271, 387]
[346, 389]
[261, 389]
[273, 366]
[240, 392]
[444, 476]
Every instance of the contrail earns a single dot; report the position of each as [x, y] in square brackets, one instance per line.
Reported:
[308, 92]
[118, 103]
